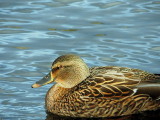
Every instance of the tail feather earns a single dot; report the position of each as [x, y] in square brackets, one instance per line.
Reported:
[157, 79]
[151, 88]
[157, 75]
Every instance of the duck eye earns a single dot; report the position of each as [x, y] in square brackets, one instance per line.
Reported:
[56, 68]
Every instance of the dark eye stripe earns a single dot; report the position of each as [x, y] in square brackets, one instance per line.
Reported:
[59, 67]
[54, 69]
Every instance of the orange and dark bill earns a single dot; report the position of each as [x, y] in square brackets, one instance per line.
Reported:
[46, 80]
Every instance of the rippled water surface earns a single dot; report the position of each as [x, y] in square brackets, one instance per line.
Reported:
[103, 32]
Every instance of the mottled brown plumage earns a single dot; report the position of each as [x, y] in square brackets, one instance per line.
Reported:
[100, 91]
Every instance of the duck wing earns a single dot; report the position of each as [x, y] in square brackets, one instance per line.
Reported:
[119, 82]
[151, 87]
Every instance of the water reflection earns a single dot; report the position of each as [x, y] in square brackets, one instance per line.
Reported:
[56, 117]
[143, 116]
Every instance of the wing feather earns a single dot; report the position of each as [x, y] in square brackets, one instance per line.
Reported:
[114, 82]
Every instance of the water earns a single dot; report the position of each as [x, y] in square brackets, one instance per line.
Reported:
[104, 32]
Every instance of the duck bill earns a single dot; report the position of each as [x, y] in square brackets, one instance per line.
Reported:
[46, 80]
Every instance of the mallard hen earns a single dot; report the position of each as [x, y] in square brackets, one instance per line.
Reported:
[108, 91]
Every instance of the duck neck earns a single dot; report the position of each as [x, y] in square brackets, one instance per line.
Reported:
[55, 94]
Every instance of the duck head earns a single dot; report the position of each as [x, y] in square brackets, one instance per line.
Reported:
[67, 71]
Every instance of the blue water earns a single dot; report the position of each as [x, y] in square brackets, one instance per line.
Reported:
[35, 32]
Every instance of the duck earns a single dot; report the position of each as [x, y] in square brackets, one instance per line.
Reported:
[103, 91]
